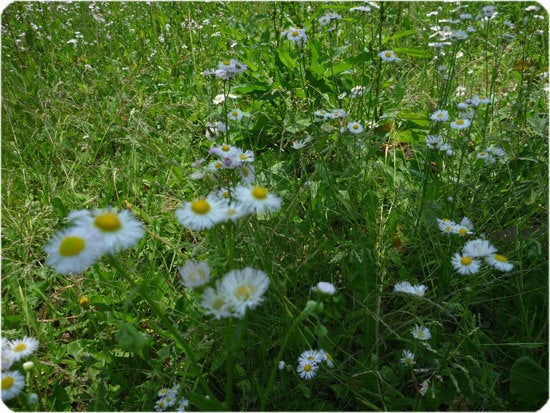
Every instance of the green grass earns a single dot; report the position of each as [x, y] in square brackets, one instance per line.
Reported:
[118, 118]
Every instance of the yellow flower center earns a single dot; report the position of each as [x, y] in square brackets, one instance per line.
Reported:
[200, 206]
[420, 334]
[465, 260]
[7, 382]
[307, 367]
[295, 33]
[460, 122]
[244, 292]
[235, 114]
[355, 126]
[231, 212]
[462, 231]
[84, 301]
[243, 156]
[19, 347]
[500, 258]
[227, 148]
[328, 356]
[388, 54]
[71, 246]
[440, 115]
[226, 62]
[259, 192]
[108, 222]
[218, 303]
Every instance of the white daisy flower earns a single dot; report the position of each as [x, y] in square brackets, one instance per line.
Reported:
[499, 262]
[202, 213]
[20, 349]
[194, 274]
[13, 383]
[478, 248]
[73, 250]
[389, 56]
[408, 358]
[440, 116]
[257, 199]
[355, 127]
[247, 172]
[182, 405]
[421, 333]
[235, 114]
[433, 141]
[460, 124]
[327, 358]
[407, 288]
[244, 289]
[324, 20]
[311, 356]
[117, 230]
[325, 288]
[307, 370]
[224, 151]
[216, 303]
[296, 35]
[234, 211]
[446, 225]
[464, 264]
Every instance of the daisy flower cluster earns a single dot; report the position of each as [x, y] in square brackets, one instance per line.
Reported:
[227, 69]
[463, 228]
[310, 361]
[92, 234]
[325, 19]
[474, 252]
[236, 292]
[13, 351]
[168, 398]
[491, 154]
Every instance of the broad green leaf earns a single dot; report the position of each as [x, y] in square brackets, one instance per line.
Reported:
[398, 35]
[528, 380]
[286, 60]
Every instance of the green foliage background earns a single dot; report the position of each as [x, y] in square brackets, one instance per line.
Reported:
[117, 116]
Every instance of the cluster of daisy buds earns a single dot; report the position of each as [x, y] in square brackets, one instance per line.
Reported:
[13, 351]
[310, 361]
[168, 397]
[92, 234]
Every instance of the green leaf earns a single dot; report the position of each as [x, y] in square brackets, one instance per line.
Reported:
[528, 380]
[394, 36]
[286, 60]
[129, 339]
[412, 52]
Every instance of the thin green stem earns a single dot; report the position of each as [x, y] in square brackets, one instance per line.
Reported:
[304, 314]
[165, 322]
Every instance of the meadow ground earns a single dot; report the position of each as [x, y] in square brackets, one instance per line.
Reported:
[274, 206]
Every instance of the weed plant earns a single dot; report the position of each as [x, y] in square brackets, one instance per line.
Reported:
[330, 206]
